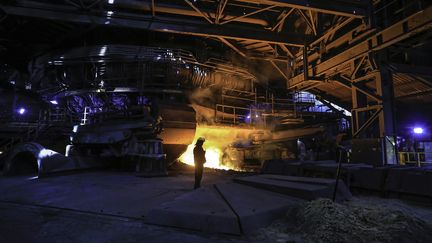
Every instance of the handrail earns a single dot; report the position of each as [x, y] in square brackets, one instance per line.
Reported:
[418, 158]
[32, 130]
[236, 117]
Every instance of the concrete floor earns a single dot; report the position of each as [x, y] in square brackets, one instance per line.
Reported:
[111, 206]
[99, 206]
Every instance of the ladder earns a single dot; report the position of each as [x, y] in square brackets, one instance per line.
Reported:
[84, 120]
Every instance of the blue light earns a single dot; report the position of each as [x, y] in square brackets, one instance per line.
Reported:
[54, 102]
[21, 111]
[418, 130]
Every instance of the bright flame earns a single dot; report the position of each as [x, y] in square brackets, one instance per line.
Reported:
[213, 157]
[217, 139]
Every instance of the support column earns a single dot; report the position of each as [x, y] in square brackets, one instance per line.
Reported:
[354, 118]
[358, 118]
[373, 123]
[387, 124]
[384, 84]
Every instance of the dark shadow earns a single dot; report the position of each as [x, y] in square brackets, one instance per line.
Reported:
[24, 163]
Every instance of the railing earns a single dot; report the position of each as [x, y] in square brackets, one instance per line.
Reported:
[57, 115]
[304, 97]
[32, 129]
[417, 158]
[251, 116]
[232, 113]
[268, 105]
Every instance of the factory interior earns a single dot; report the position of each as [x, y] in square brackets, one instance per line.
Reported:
[313, 120]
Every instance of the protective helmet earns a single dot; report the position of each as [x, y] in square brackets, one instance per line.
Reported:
[200, 140]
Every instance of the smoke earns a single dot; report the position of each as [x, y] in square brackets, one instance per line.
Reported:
[203, 102]
[202, 96]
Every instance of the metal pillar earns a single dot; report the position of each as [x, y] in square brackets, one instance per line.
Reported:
[372, 113]
[387, 124]
[385, 90]
[359, 107]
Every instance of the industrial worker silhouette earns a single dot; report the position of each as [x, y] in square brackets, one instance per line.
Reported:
[199, 159]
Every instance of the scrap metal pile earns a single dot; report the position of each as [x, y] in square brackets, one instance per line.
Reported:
[325, 221]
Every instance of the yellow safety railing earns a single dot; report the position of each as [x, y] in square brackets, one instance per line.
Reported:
[418, 158]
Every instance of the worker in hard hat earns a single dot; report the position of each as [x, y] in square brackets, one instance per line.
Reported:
[199, 160]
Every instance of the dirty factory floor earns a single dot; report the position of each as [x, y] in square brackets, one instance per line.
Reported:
[108, 206]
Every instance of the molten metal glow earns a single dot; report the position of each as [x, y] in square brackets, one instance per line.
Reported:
[218, 138]
[213, 157]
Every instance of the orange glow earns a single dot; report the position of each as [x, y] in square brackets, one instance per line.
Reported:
[218, 138]
[213, 157]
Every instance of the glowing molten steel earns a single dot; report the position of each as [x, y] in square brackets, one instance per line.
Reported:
[217, 140]
[213, 157]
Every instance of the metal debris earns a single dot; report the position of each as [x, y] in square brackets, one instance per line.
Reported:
[322, 220]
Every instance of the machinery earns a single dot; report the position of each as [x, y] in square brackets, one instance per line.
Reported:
[138, 107]
[130, 141]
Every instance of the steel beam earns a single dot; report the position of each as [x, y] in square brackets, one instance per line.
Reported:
[347, 84]
[423, 71]
[417, 94]
[143, 7]
[370, 76]
[412, 25]
[323, 39]
[169, 25]
[354, 114]
[279, 25]
[313, 22]
[367, 108]
[285, 49]
[279, 70]
[357, 9]
[419, 73]
[329, 105]
[357, 67]
[330, 98]
[368, 122]
[232, 46]
[313, 85]
[423, 80]
[383, 104]
[308, 21]
[247, 15]
[199, 11]
[269, 58]
[220, 9]
[384, 85]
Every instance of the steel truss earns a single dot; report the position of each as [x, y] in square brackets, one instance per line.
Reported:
[359, 68]
[236, 23]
